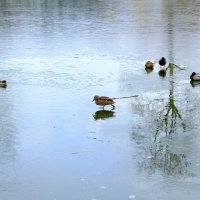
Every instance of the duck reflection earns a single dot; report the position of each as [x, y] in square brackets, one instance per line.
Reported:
[103, 114]
[162, 72]
[194, 83]
[148, 70]
[3, 86]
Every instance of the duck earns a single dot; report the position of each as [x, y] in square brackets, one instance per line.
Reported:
[3, 83]
[149, 65]
[195, 76]
[103, 101]
[162, 62]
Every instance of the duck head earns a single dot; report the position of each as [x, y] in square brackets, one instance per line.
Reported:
[95, 97]
[193, 73]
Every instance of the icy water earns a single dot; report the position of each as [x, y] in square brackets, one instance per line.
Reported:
[55, 143]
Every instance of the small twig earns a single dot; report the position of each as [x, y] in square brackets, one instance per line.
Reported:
[177, 66]
[125, 97]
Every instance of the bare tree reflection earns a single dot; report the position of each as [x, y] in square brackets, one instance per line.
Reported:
[159, 154]
[163, 160]
[169, 116]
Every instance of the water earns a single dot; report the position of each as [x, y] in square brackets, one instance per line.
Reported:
[55, 143]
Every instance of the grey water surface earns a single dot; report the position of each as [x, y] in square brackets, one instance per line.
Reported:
[55, 143]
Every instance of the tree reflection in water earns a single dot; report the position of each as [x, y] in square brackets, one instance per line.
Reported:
[170, 114]
[160, 155]
[163, 160]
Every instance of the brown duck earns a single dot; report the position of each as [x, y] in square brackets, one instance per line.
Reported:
[149, 65]
[103, 101]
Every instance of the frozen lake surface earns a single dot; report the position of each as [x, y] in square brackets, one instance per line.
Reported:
[55, 143]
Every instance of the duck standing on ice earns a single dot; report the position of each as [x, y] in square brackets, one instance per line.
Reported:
[104, 101]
